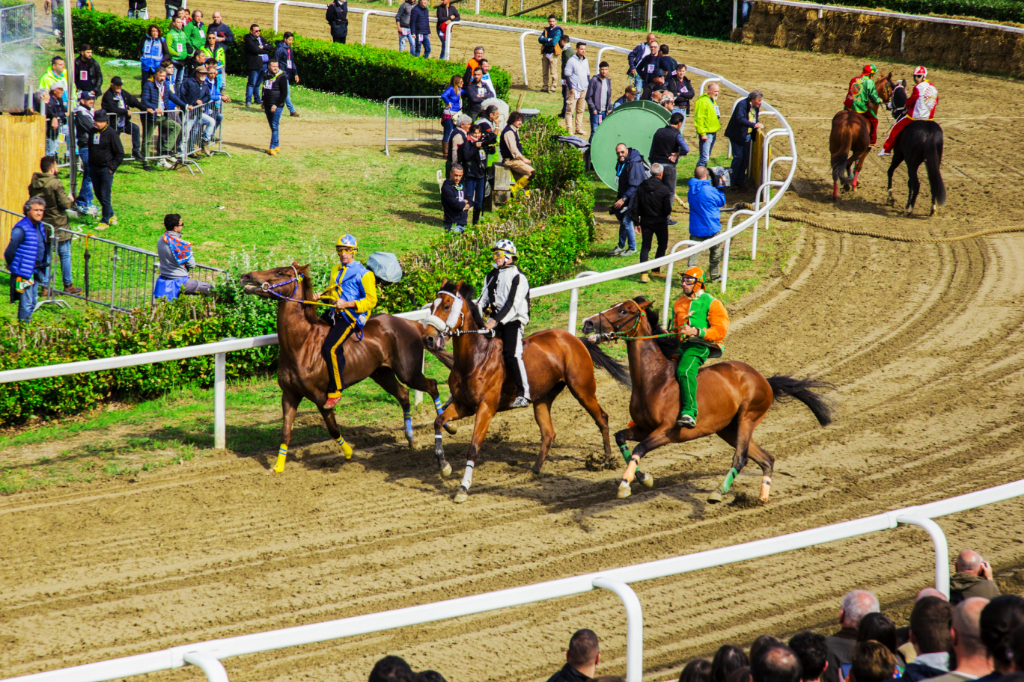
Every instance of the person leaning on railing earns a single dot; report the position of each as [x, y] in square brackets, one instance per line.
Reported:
[28, 256]
[176, 262]
[157, 98]
[45, 184]
[118, 102]
[56, 118]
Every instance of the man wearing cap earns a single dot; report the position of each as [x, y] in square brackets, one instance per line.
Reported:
[628, 96]
[83, 117]
[117, 102]
[702, 323]
[56, 116]
[105, 155]
[88, 75]
[920, 107]
[861, 95]
[655, 84]
[353, 290]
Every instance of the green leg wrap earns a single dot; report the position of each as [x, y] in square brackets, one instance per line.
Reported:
[729, 478]
[690, 361]
[624, 449]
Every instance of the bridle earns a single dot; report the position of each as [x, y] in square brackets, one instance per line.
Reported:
[269, 288]
[616, 332]
[450, 327]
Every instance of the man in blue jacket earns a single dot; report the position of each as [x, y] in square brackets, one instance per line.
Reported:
[28, 256]
[197, 94]
[286, 60]
[419, 24]
[158, 97]
[705, 204]
[630, 173]
[742, 124]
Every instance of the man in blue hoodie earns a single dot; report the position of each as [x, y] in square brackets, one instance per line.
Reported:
[705, 204]
[629, 170]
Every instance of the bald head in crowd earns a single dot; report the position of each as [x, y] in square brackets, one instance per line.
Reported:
[856, 605]
[775, 662]
[930, 592]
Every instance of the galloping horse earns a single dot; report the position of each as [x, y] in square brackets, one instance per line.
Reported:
[920, 142]
[850, 140]
[390, 346]
[554, 359]
[732, 397]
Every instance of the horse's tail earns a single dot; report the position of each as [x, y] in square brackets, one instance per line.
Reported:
[786, 387]
[932, 162]
[446, 358]
[607, 363]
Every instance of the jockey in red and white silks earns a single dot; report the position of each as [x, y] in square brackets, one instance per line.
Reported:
[920, 107]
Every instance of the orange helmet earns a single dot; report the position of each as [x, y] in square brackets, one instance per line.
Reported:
[696, 273]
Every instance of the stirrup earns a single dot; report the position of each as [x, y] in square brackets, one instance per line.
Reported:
[685, 421]
[331, 402]
[520, 401]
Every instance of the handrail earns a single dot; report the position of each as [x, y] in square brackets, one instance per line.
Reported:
[614, 579]
[666, 310]
[891, 15]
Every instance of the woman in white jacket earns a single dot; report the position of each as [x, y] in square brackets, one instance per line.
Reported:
[507, 293]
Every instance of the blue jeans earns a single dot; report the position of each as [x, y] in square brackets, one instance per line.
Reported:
[407, 40]
[440, 37]
[288, 101]
[421, 41]
[252, 86]
[626, 234]
[103, 183]
[28, 299]
[738, 169]
[705, 149]
[274, 119]
[744, 12]
[171, 11]
[595, 120]
[179, 73]
[84, 198]
[64, 253]
[475, 192]
[448, 124]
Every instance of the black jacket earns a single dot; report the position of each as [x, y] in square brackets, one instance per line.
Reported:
[473, 158]
[473, 96]
[83, 126]
[915, 672]
[455, 211]
[192, 91]
[105, 150]
[740, 126]
[650, 89]
[337, 17]
[112, 106]
[255, 47]
[55, 109]
[667, 141]
[225, 36]
[653, 202]
[684, 93]
[93, 81]
[277, 92]
[449, 13]
[568, 674]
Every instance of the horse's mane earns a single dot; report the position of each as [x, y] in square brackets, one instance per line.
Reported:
[668, 345]
[468, 293]
[310, 311]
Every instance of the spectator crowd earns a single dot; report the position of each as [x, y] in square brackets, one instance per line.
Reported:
[975, 634]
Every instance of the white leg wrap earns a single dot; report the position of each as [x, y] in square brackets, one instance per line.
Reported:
[467, 478]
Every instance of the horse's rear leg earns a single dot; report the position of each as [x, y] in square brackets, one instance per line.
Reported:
[913, 185]
[897, 159]
[289, 408]
[739, 434]
[542, 413]
[767, 464]
[386, 379]
[484, 415]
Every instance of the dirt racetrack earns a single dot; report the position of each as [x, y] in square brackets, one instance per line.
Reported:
[925, 344]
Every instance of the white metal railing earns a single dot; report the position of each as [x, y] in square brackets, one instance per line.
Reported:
[208, 655]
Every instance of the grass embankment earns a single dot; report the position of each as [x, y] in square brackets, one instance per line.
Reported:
[274, 207]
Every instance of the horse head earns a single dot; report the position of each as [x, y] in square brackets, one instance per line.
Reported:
[885, 86]
[280, 283]
[628, 318]
[453, 309]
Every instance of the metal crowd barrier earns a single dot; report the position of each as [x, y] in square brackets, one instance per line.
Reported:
[412, 119]
[17, 25]
[205, 123]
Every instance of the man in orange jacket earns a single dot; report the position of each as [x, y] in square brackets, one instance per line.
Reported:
[702, 323]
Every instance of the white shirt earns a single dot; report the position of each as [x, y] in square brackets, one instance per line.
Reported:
[577, 73]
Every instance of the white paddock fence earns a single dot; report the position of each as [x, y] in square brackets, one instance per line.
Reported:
[208, 655]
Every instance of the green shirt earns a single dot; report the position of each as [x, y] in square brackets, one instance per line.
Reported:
[865, 94]
[705, 118]
[177, 44]
[194, 36]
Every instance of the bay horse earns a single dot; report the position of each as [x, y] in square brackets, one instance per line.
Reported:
[920, 142]
[850, 140]
[390, 351]
[554, 360]
[732, 397]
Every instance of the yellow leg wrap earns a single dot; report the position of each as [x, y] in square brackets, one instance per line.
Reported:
[346, 449]
[282, 455]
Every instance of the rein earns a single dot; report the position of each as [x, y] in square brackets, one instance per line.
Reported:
[617, 334]
[269, 289]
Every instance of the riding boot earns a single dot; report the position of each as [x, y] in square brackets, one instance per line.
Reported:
[444, 149]
[476, 215]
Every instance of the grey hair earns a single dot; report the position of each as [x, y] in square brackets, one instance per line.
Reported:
[755, 94]
[457, 167]
[478, 48]
[463, 120]
[858, 604]
[657, 169]
[32, 202]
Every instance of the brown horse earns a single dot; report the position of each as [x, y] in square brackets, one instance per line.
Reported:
[391, 350]
[554, 359]
[850, 140]
[732, 397]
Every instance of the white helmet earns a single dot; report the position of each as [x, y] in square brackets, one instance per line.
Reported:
[505, 245]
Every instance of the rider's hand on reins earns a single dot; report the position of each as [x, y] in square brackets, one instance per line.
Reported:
[316, 296]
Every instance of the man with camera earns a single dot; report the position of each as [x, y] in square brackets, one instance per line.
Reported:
[630, 173]
[706, 202]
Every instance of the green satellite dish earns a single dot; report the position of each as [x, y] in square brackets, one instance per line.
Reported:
[633, 124]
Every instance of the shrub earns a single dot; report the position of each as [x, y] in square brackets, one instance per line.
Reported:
[360, 70]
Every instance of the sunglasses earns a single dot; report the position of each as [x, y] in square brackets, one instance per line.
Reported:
[687, 279]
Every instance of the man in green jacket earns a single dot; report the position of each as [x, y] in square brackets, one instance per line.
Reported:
[49, 187]
[860, 97]
[178, 47]
[706, 123]
[194, 32]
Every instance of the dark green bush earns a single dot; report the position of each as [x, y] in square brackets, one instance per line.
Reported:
[992, 10]
[698, 18]
[360, 70]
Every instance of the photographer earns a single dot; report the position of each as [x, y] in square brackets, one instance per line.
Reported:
[706, 202]
[176, 260]
[630, 171]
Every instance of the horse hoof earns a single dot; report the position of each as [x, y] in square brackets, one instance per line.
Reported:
[461, 496]
[647, 480]
[451, 428]
[715, 497]
[446, 470]
[624, 490]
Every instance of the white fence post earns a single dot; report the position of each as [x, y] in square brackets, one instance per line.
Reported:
[941, 549]
[209, 664]
[574, 298]
[277, 9]
[634, 626]
[565, 11]
[665, 310]
[220, 399]
[734, 13]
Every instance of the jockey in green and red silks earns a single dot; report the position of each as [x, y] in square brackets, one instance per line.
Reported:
[860, 95]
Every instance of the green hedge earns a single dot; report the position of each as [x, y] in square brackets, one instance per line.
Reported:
[992, 10]
[360, 70]
[698, 18]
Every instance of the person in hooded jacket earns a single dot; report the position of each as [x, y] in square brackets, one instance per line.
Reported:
[152, 52]
[680, 86]
[56, 118]
[83, 114]
[473, 158]
[629, 169]
[105, 156]
[705, 204]
[47, 185]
